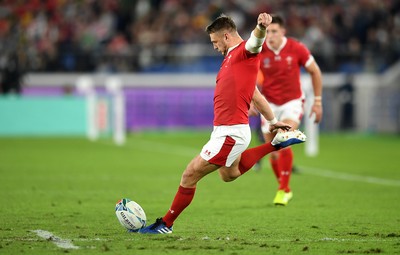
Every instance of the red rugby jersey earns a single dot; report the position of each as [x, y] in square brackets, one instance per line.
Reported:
[236, 81]
[281, 70]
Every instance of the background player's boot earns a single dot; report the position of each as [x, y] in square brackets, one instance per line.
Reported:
[282, 197]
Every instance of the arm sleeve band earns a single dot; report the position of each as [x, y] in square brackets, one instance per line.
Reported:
[254, 44]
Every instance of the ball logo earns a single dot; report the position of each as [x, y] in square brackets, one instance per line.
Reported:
[130, 214]
[127, 220]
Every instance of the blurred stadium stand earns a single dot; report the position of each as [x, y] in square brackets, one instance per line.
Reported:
[168, 36]
[356, 43]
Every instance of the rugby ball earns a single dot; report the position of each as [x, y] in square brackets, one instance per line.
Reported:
[130, 214]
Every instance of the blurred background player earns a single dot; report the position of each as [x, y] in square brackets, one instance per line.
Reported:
[281, 60]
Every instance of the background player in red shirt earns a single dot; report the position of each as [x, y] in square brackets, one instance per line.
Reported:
[281, 60]
[234, 92]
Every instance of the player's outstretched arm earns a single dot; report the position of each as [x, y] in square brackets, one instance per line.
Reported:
[257, 38]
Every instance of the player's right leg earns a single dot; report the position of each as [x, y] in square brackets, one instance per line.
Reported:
[214, 154]
[195, 171]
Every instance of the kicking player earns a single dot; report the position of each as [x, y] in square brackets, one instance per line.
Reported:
[234, 91]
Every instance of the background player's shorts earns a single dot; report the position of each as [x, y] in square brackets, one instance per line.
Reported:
[292, 110]
[226, 144]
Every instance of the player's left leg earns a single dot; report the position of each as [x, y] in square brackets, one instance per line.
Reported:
[245, 162]
[250, 156]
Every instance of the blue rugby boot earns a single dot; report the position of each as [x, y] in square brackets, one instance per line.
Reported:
[159, 227]
[285, 139]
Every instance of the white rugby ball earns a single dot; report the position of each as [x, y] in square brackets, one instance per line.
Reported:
[130, 214]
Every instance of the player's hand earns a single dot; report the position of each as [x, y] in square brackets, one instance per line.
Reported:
[279, 125]
[264, 19]
[316, 110]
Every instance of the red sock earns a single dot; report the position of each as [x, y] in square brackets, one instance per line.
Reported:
[250, 156]
[275, 166]
[286, 164]
[182, 199]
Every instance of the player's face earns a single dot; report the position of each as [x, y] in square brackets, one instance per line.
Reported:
[275, 34]
[219, 41]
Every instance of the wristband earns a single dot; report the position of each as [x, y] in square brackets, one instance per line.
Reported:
[273, 121]
[261, 28]
[317, 97]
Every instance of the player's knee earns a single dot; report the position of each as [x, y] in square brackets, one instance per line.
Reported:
[188, 179]
[229, 177]
[187, 175]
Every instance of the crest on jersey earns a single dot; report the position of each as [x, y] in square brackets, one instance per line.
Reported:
[289, 60]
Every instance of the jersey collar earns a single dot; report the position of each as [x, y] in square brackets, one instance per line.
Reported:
[232, 48]
[284, 41]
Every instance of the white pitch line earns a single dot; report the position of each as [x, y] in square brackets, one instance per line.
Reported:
[62, 243]
[348, 177]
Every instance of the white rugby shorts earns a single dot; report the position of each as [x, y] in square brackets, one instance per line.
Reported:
[292, 110]
[226, 144]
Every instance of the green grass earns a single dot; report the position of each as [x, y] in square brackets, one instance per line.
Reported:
[346, 200]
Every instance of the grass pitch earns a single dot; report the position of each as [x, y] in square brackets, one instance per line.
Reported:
[346, 200]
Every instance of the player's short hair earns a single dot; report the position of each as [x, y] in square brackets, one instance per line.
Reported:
[276, 19]
[223, 22]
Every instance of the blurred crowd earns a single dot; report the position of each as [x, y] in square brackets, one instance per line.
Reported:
[151, 35]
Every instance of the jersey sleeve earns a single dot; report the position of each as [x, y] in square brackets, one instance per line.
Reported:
[305, 57]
